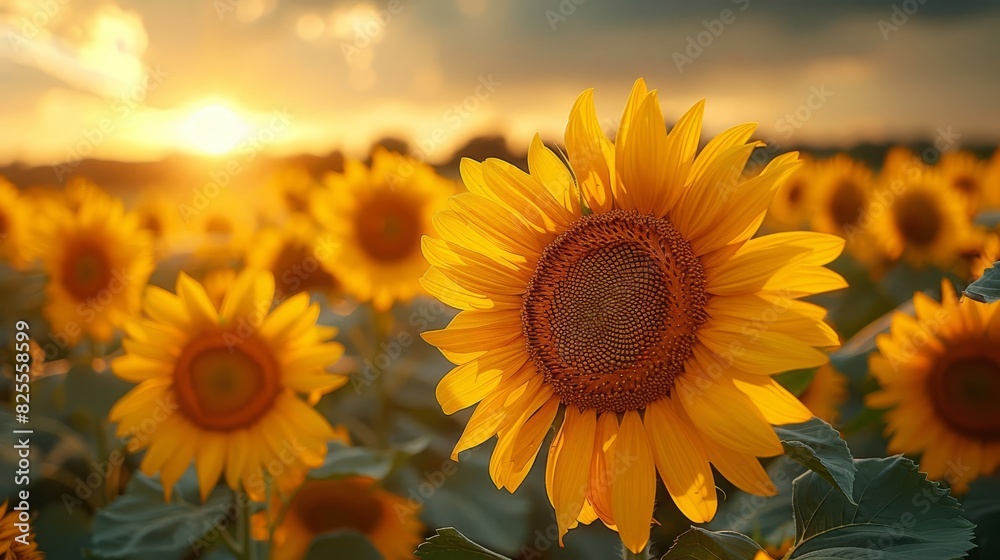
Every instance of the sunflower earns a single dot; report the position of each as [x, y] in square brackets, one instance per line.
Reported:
[296, 255]
[988, 256]
[217, 282]
[379, 215]
[97, 260]
[220, 385]
[357, 504]
[10, 547]
[922, 221]
[825, 393]
[219, 229]
[939, 379]
[965, 175]
[16, 234]
[843, 189]
[991, 179]
[618, 299]
[792, 203]
[159, 216]
[288, 192]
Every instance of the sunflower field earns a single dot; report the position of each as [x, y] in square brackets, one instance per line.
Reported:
[635, 340]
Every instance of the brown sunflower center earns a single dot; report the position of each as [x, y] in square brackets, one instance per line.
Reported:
[965, 184]
[918, 218]
[297, 269]
[218, 225]
[388, 227]
[611, 312]
[297, 201]
[225, 382]
[86, 271]
[794, 195]
[327, 505]
[847, 204]
[153, 224]
[965, 392]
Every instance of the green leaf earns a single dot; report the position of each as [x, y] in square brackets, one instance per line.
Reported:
[766, 519]
[982, 507]
[449, 544]
[987, 288]
[899, 515]
[343, 461]
[343, 544]
[140, 524]
[817, 446]
[699, 544]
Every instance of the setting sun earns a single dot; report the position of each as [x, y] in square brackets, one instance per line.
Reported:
[213, 129]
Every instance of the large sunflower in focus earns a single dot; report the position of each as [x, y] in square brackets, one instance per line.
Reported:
[15, 227]
[379, 215]
[220, 385]
[923, 221]
[940, 377]
[97, 260]
[620, 302]
[357, 504]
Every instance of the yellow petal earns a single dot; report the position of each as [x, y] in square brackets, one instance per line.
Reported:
[551, 172]
[634, 491]
[572, 466]
[725, 414]
[590, 153]
[209, 461]
[679, 455]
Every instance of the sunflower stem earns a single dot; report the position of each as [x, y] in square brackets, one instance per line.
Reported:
[383, 323]
[249, 551]
[629, 555]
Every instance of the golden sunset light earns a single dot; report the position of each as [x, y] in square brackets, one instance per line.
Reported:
[499, 279]
[213, 129]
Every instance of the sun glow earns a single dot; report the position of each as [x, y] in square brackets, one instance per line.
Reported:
[213, 129]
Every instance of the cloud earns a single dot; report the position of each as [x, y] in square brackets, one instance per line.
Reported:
[92, 46]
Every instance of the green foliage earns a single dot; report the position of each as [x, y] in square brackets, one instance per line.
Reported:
[343, 544]
[449, 544]
[699, 544]
[896, 514]
[140, 525]
[344, 461]
[817, 446]
[987, 288]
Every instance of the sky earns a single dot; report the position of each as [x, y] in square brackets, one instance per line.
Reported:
[137, 80]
